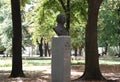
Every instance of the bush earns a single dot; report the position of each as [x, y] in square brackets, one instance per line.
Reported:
[113, 50]
[2, 49]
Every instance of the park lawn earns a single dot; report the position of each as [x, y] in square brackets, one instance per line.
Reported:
[102, 60]
[110, 72]
[43, 61]
[38, 69]
[27, 61]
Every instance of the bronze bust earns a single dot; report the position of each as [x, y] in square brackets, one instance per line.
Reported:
[60, 30]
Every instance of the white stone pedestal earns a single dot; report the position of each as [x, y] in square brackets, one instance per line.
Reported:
[61, 64]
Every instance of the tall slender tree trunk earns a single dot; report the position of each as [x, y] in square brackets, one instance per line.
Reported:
[80, 50]
[68, 16]
[17, 40]
[41, 47]
[92, 70]
[106, 48]
[45, 49]
[75, 52]
[66, 9]
[119, 50]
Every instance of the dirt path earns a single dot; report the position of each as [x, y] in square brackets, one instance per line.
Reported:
[43, 73]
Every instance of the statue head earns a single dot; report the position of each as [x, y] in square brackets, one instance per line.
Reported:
[60, 29]
[60, 19]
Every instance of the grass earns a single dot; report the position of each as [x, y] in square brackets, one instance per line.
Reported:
[102, 60]
[5, 63]
[34, 75]
[40, 61]
[27, 61]
[36, 62]
[109, 60]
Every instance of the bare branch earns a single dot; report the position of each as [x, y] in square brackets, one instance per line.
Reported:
[63, 5]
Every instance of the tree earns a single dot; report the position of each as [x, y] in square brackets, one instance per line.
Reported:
[5, 26]
[45, 16]
[107, 26]
[40, 45]
[92, 70]
[16, 40]
[66, 8]
[77, 37]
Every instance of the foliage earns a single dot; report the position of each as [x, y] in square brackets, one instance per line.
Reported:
[78, 17]
[24, 2]
[2, 49]
[108, 24]
[45, 16]
[44, 20]
[40, 18]
[77, 36]
[112, 51]
[6, 26]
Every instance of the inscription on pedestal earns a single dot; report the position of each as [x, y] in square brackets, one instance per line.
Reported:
[61, 59]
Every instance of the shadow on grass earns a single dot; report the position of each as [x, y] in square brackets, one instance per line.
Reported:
[30, 76]
[44, 74]
[2, 71]
[96, 81]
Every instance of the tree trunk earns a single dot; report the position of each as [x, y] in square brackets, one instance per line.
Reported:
[40, 47]
[106, 48]
[119, 50]
[92, 70]
[75, 52]
[49, 51]
[68, 16]
[45, 48]
[66, 9]
[16, 41]
[80, 50]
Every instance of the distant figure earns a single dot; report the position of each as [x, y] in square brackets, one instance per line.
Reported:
[60, 29]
